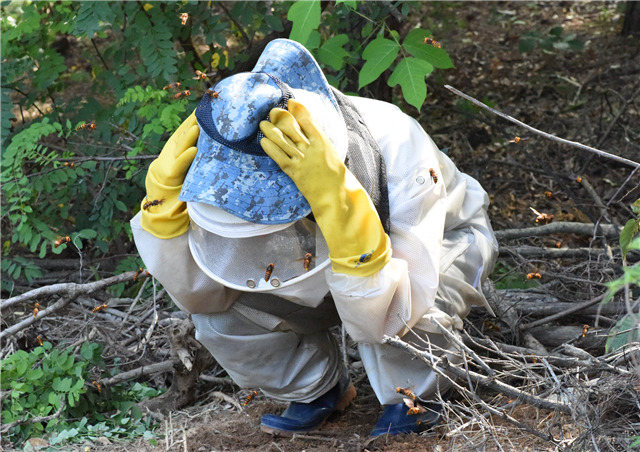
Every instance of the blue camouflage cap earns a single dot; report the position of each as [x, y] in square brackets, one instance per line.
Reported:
[231, 171]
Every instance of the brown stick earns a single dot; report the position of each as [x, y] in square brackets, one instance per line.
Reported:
[164, 366]
[564, 313]
[33, 319]
[6, 427]
[71, 289]
[553, 253]
[538, 305]
[608, 230]
[502, 349]
[540, 132]
[476, 378]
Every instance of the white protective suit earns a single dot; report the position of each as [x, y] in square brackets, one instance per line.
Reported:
[443, 247]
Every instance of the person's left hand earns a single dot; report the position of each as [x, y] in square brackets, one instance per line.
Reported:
[342, 208]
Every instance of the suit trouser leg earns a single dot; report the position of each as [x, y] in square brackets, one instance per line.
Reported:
[265, 342]
[389, 367]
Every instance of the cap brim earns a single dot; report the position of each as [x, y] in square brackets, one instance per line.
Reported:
[251, 187]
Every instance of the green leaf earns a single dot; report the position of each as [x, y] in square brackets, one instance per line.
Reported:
[305, 16]
[350, 3]
[415, 45]
[366, 30]
[314, 40]
[526, 44]
[7, 115]
[623, 332]
[54, 399]
[274, 22]
[635, 244]
[61, 384]
[628, 232]
[576, 44]
[120, 205]
[88, 234]
[556, 31]
[21, 367]
[87, 350]
[331, 52]
[35, 374]
[379, 55]
[410, 74]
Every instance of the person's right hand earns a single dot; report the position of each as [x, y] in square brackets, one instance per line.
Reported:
[163, 214]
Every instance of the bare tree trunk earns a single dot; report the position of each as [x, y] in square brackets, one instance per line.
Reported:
[193, 360]
[631, 25]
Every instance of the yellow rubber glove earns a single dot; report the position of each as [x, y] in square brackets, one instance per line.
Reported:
[163, 214]
[342, 208]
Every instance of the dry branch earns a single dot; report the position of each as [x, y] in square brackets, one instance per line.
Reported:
[6, 427]
[541, 133]
[554, 253]
[557, 335]
[225, 398]
[73, 290]
[569, 227]
[537, 305]
[33, 319]
[164, 366]
[462, 347]
[218, 380]
[565, 313]
[443, 365]
[508, 315]
[504, 350]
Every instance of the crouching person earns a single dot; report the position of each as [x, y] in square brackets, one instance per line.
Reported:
[287, 208]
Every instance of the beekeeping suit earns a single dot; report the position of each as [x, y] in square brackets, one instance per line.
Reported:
[268, 239]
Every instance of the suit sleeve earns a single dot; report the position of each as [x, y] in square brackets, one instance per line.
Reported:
[396, 297]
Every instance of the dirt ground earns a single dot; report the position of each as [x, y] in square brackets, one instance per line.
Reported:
[585, 96]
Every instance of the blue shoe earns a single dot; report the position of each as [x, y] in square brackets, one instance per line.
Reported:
[395, 419]
[304, 417]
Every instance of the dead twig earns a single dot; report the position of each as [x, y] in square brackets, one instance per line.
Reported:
[436, 365]
[541, 133]
[72, 289]
[218, 380]
[554, 253]
[462, 347]
[517, 352]
[62, 302]
[564, 313]
[508, 315]
[225, 398]
[625, 104]
[596, 198]
[445, 366]
[164, 366]
[609, 231]
[6, 427]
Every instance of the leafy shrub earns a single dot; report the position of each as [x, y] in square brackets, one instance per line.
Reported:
[40, 381]
[554, 40]
[627, 328]
[86, 80]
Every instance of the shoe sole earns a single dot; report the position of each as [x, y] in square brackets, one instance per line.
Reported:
[342, 405]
